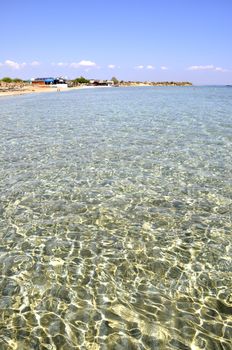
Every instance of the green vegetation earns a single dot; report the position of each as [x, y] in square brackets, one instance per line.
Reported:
[80, 80]
[17, 80]
[115, 80]
[10, 80]
[6, 80]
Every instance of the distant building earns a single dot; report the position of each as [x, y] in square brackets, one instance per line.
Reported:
[53, 82]
[95, 82]
[43, 81]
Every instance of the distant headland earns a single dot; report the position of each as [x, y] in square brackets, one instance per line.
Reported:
[159, 83]
[115, 82]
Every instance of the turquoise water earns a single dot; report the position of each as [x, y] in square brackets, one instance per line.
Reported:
[115, 219]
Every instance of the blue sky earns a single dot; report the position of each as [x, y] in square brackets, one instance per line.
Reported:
[155, 40]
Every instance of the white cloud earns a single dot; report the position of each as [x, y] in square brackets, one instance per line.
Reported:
[164, 68]
[35, 63]
[14, 65]
[149, 66]
[111, 66]
[209, 67]
[83, 63]
[220, 69]
[62, 64]
[87, 63]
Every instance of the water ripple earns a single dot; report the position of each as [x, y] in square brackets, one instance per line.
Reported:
[115, 220]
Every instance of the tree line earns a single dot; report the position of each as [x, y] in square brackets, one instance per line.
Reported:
[11, 80]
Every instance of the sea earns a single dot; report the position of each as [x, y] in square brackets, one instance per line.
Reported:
[116, 219]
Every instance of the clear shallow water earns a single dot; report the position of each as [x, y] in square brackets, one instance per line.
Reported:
[115, 219]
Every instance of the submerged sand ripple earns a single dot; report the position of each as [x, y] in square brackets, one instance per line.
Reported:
[115, 228]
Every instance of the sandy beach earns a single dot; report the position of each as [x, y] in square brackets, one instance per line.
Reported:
[9, 90]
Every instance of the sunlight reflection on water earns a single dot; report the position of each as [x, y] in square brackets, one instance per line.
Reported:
[115, 217]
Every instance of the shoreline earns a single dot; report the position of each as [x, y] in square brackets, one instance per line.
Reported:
[36, 90]
[29, 89]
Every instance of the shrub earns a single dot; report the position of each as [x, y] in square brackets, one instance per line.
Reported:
[7, 80]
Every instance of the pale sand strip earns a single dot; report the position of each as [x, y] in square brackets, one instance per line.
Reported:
[34, 89]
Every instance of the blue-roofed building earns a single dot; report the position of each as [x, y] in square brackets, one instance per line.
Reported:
[49, 81]
[43, 81]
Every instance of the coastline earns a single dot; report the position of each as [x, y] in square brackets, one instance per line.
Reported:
[35, 90]
[7, 90]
